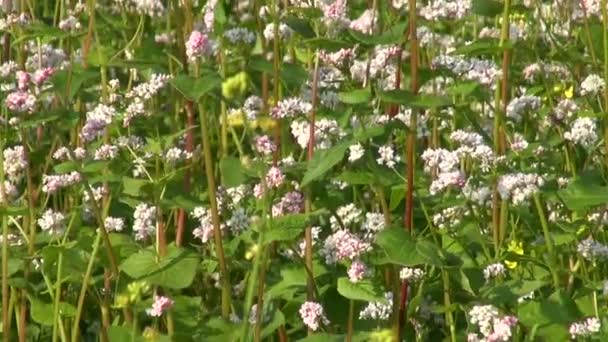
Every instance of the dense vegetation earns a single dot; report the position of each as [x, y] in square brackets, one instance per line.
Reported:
[302, 170]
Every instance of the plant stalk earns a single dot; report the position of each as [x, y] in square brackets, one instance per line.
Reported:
[215, 217]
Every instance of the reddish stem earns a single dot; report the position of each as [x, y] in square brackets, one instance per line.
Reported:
[410, 163]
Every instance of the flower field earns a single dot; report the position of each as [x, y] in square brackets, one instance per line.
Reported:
[304, 170]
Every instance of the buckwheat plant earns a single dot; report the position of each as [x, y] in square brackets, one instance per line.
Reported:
[295, 170]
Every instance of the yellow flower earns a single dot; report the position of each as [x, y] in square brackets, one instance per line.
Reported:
[517, 248]
[235, 85]
[121, 301]
[385, 335]
[252, 252]
[569, 92]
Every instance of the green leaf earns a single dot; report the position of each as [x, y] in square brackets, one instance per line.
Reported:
[582, 193]
[399, 247]
[327, 44]
[487, 8]
[286, 228]
[397, 195]
[301, 26]
[357, 177]
[134, 187]
[357, 96]
[293, 75]
[231, 171]
[186, 312]
[278, 319]
[553, 315]
[429, 252]
[42, 312]
[194, 88]
[119, 334]
[176, 270]
[363, 290]
[322, 161]
[485, 46]
[62, 79]
[65, 167]
[322, 337]
[403, 97]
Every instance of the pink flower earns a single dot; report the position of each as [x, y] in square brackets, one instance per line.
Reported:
[23, 78]
[264, 145]
[291, 203]
[20, 101]
[41, 75]
[274, 177]
[357, 271]
[197, 45]
[312, 315]
[160, 305]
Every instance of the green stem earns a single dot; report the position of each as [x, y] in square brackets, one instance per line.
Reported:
[604, 4]
[548, 240]
[256, 264]
[217, 233]
[351, 318]
[447, 302]
[5, 291]
[85, 285]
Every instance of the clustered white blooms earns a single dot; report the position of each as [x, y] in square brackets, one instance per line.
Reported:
[144, 224]
[522, 105]
[10, 192]
[63, 153]
[97, 121]
[348, 214]
[52, 222]
[494, 270]
[378, 310]
[585, 328]
[290, 108]
[591, 249]
[14, 163]
[175, 154]
[519, 187]
[54, 183]
[355, 152]
[284, 32]
[106, 152]
[239, 35]
[486, 72]
[592, 85]
[583, 131]
[326, 132]
[388, 156]
[411, 274]
[450, 217]
[114, 224]
[446, 9]
[492, 326]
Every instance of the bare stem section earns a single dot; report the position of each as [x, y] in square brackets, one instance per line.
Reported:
[215, 217]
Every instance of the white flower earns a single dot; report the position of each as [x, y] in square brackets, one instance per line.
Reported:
[387, 156]
[494, 270]
[411, 274]
[583, 132]
[355, 152]
[592, 85]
